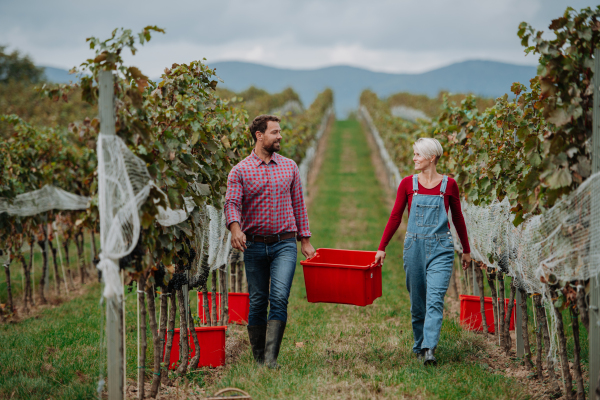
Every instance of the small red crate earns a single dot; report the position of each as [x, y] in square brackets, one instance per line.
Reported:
[342, 276]
[470, 313]
[212, 347]
[239, 307]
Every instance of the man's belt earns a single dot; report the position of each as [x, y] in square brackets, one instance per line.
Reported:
[271, 238]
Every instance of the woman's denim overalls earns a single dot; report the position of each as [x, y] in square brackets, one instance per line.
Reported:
[428, 259]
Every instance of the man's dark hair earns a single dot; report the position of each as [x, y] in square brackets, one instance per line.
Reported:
[260, 124]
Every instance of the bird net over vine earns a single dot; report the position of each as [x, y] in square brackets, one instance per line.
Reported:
[560, 245]
[42, 200]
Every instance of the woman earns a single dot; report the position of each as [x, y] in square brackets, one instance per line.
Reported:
[428, 248]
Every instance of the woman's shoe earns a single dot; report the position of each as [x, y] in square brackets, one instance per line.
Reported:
[429, 358]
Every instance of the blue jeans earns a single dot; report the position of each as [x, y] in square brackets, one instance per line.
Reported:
[428, 264]
[276, 261]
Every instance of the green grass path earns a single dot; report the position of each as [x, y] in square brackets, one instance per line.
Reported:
[363, 352]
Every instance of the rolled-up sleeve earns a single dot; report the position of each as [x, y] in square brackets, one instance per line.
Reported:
[298, 205]
[233, 197]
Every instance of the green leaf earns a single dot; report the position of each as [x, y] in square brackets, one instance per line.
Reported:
[496, 170]
[535, 159]
[211, 146]
[560, 178]
[559, 117]
[194, 138]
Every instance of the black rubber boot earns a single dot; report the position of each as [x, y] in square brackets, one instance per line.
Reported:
[430, 358]
[275, 331]
[257, 335]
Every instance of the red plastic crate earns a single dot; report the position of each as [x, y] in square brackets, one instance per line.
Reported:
[342, 276]
[470, 313]
[212, 347]
[239, 307]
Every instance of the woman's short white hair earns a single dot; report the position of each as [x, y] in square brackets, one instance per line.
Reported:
[429, 147]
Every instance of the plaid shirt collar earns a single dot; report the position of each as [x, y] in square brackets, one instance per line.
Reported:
[256, 160]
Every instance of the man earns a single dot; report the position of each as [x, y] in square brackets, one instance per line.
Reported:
[266, 213]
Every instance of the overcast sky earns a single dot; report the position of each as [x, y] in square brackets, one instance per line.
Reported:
[381, 35]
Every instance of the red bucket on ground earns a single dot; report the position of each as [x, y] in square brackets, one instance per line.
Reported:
[470, 313]
[342, 276]
[212, 347]
[239, 307]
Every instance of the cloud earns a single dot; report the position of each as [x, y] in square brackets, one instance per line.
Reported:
[382, 35]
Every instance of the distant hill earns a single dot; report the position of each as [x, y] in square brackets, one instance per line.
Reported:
[58, 75]
[484, 78]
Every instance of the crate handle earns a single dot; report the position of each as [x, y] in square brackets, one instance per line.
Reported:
[374, 264]
[244, 395]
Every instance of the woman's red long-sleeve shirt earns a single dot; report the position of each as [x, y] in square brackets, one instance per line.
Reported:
[404, 197]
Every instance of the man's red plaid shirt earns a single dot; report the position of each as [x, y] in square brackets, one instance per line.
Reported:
[266, 199]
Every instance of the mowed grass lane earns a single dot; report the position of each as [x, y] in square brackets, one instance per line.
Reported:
[59, 353]
[362, 352]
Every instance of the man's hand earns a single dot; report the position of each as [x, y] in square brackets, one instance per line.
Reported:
[307, 249]
[238, 238]
[379, 257]
[466, 261]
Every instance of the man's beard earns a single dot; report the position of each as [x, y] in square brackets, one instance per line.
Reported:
[273, 147]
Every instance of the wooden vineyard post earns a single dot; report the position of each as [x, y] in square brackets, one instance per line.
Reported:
[225, 296]
[115, 332]
[474, 281]
[62, 264]
[47, 269]
[484, 323]
[186, 297]
[519, 324]
[594, 307]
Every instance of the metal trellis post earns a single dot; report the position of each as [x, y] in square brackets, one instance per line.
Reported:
[594, 306]
[114, 306]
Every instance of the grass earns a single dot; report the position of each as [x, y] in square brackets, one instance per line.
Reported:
[347, 352]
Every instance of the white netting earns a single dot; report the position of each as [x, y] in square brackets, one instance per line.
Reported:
[171, 217]
[408, 113]
[558, 245]
[309, 157]
[123, 186]
[392, 171]
[291, 106]
[42, 200]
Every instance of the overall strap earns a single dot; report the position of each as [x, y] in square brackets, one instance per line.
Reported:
[444, 184]
[415, 183]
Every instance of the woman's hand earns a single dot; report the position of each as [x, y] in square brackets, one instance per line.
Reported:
[466, 261]
[379, 257]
